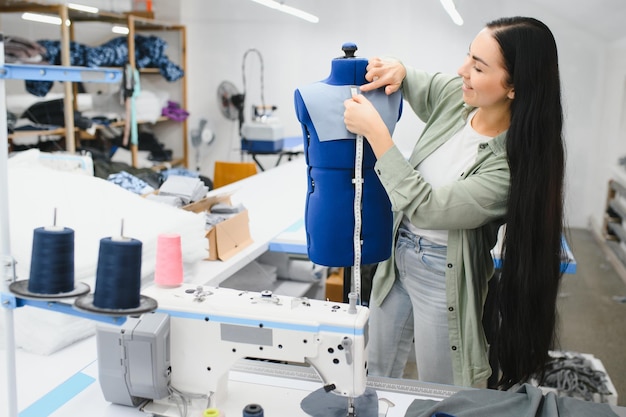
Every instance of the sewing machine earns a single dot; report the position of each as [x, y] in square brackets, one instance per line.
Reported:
[198, 333]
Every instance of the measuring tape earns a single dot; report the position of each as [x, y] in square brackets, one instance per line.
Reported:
[358, 196]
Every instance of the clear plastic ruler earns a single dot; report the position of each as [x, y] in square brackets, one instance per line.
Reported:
[358, 197]
[308, 373]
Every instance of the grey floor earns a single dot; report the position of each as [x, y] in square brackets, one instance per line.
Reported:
[592, 309]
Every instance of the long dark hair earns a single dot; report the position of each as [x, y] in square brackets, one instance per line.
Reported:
[531, 271]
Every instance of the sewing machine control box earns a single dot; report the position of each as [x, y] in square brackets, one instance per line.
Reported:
[133, 359]
[212, 328]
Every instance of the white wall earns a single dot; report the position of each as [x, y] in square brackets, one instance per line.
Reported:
[296, 52]
[608, 142]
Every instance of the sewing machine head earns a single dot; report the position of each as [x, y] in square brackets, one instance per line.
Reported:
[212, 328]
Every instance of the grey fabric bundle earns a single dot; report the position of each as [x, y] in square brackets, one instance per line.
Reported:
[527, 401]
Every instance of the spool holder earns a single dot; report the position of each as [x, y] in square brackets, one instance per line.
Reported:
[146, 305]
[20, 289]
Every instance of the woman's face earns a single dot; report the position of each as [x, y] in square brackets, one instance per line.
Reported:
[484, 75]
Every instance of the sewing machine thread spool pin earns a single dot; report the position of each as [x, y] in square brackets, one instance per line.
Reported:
[352, 299]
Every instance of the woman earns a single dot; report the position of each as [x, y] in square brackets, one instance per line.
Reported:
[491, 153]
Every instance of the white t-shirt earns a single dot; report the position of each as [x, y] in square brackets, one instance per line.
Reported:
[445, 165]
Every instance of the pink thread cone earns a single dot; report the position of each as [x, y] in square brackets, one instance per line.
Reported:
[169, 261]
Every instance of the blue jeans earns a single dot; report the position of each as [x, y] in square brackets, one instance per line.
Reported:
[414, 311]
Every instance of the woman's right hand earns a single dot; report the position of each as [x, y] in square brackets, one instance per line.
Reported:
[388, 73]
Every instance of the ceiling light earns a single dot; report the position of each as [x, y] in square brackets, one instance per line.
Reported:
[449, 7]
[122, 30]
[42, 18]
[272, 4]
[83, 8]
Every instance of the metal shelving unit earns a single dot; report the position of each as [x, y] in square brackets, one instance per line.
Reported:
[136, 24]
[614, 227]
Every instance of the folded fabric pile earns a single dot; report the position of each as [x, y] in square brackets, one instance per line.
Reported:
[149, 53]
[185, 189]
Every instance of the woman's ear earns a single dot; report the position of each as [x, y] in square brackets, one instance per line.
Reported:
[511, 94]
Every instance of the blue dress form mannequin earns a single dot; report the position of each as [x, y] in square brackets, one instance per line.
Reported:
[330, 155]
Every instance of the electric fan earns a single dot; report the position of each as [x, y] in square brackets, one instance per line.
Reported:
[202, 134]
[230, 101]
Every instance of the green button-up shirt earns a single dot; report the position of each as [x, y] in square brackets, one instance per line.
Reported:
[471, 209]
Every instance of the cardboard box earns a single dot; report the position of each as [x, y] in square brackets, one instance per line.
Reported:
[334, 286]
[226, 238]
